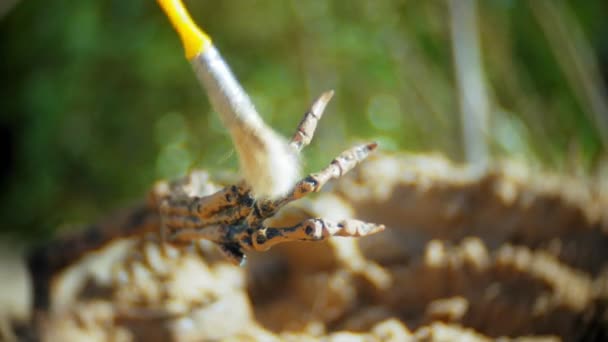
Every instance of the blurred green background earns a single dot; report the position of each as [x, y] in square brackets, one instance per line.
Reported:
[98, 100]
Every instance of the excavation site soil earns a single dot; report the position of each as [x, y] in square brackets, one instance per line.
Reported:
[477, 253]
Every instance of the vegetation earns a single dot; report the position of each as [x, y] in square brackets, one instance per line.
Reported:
[98, 101]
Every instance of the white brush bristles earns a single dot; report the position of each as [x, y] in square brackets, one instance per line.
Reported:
[267, 162]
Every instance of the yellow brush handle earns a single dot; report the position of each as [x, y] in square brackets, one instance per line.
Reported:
[193, 38]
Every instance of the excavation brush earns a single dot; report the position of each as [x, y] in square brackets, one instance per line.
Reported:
[267, 162]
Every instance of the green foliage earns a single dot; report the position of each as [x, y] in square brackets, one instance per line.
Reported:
[100, 102]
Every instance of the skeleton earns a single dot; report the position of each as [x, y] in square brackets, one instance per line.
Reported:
[234, 217]
[235, 220]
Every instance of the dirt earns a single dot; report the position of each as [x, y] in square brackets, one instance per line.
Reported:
[478, 253]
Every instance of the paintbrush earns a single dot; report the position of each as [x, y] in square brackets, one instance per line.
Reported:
[267, 162]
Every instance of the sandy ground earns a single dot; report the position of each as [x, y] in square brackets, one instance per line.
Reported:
[476, 254]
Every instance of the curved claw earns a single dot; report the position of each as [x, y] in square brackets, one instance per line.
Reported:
[313, 230]
[343, 163]
[308, 125]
